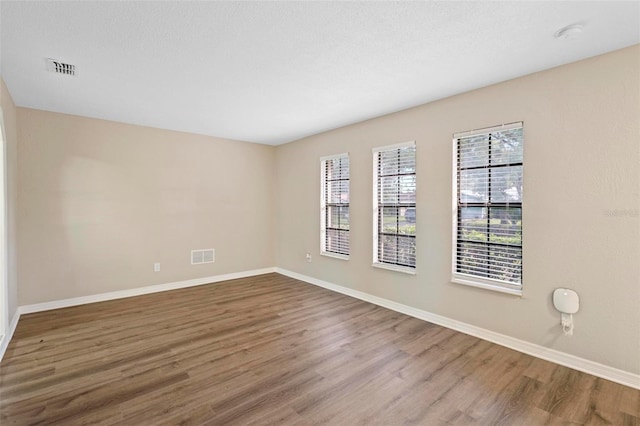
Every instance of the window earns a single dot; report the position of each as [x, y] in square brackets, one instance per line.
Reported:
[335, 206]
[394, 205]
[488, 208]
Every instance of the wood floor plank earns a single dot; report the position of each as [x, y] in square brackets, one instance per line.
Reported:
[273, 350]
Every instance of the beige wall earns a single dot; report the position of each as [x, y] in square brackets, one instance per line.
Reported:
[581, 220]
[100, 202]
[11, 152]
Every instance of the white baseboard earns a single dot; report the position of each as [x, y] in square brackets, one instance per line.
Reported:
[7, 338]
[65, 303]
[600, 370]
[615, 375]
[103, 297]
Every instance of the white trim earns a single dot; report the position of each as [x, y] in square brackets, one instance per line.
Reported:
[102, 297]
[4, 234]
[65, 303]
[4, 341]
[396, 268]
[615, 375]
[374, 233]
[486, 130]
[331, 157]
[393, 146]
[323, 204]
[486, 283]
[334, 255]
[454, 206]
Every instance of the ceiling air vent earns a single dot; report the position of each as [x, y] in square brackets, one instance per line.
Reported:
[60, 67]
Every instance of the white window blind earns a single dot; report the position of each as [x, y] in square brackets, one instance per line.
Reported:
[394, 206]
[488, 218]
[335, 205]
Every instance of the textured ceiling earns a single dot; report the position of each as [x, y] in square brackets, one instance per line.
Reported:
[272, 72]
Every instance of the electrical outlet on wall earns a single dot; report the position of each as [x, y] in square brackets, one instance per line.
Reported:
[156, 267]
[309, 257]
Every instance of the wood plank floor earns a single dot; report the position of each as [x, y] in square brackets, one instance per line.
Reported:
[273, 350]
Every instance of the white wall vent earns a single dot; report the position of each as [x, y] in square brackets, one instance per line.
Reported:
[202, 256]
[60, 67]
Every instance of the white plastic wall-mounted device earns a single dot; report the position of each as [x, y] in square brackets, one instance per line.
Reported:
[567, 302]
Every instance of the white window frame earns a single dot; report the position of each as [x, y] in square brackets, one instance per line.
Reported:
[468, 279]
[323, 207]
[5, 321]
[376, 262]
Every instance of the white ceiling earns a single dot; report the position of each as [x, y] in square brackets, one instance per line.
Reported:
[273, 72]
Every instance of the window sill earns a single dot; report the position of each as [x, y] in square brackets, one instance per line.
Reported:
[405, 270]
[485, 284]
[334, 255]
